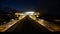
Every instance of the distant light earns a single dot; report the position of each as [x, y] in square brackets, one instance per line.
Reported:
[29, 13]
[37, 16]
[11, 19]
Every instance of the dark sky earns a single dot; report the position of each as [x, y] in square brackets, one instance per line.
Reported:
[45, 6]
[21, 4]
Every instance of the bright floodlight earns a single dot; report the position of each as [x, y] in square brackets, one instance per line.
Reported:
[29, 13]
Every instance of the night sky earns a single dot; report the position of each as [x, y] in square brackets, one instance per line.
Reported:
[44, 6]
[21, 4]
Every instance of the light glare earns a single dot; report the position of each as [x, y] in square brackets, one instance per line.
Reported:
[29, 13]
